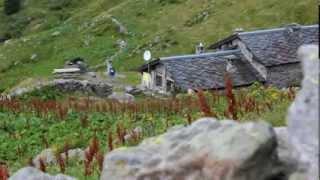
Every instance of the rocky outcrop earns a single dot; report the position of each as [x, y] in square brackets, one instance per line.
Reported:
[30, 173]
[208, 149]
[100, 89]
[303, 117]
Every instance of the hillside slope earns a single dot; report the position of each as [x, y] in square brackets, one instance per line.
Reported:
[48, 32]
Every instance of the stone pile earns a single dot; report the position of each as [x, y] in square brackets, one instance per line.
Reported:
[100, 89]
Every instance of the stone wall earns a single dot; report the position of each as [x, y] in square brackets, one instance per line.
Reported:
[99, 89]
[285, 75]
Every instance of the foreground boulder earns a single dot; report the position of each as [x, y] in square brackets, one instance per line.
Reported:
[30, 173]
[286, 152]
[303, 118]
[208, 149]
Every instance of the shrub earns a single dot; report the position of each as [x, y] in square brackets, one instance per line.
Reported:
[11, 6]
[164, 2]
[59, 4]
[16, 26]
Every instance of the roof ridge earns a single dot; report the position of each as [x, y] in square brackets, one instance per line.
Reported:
[209, 54]
[276, 29]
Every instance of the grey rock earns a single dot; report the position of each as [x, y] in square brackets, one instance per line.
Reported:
[286, 152]
[5, 97]
[56, 33]
[47, 156]
[122, 97]
[33, 56]
[207, 149]
[303, 117]
[133, 90]
[76, 154]
[30, 173]
[121, 28]
[19, 92]
[136, 132]
[298, 176]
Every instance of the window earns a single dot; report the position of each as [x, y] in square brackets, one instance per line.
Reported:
[158, 80]
[170, 86]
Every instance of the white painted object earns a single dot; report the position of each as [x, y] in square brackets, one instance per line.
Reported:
[147, 56]
[68, 70]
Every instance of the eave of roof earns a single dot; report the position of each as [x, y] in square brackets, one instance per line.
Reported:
[202, 55]
[151, 64]
[155, 62]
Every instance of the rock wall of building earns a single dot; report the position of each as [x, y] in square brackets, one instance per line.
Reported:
[285, 75]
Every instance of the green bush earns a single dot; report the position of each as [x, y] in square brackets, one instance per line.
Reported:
[163, 2]
[11, 6]
[16, 26]
[59, 4]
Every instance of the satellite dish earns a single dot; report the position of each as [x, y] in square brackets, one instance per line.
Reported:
[147, 56]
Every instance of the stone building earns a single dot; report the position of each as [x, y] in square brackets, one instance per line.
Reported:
[266, 56]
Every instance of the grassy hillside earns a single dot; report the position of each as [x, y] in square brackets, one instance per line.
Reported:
[48, 32]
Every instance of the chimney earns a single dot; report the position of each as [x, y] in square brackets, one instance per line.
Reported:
[238, 30]
[200, 48]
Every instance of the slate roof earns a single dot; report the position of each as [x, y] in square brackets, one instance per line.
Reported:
[276, 46]
[207, 71]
